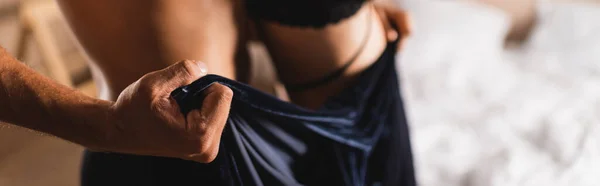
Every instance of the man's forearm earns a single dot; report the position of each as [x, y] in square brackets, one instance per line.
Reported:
[30, 100]
[142, 121]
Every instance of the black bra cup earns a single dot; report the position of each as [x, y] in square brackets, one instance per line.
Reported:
[359, 137]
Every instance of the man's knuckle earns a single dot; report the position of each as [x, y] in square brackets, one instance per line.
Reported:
[157, 106]
[146, 85]
[196, 118]
[188, 67]
[225, 93]
[202, 125]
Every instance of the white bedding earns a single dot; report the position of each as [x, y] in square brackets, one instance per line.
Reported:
[481, 114]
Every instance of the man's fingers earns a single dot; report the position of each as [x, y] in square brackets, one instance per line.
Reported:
[217, 104]
[180, 74]
[208, 122]
[206, 136]
[215, 109]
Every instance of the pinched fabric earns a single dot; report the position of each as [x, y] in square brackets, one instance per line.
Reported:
[359, 137]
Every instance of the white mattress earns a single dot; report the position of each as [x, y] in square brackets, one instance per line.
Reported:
[481, 114]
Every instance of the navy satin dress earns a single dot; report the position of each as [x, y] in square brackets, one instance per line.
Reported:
[359, 137]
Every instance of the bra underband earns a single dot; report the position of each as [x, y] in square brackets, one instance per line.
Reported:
[335, 74]
[303, 13]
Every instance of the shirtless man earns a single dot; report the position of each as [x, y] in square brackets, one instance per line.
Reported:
[132, 39]
[143, 120]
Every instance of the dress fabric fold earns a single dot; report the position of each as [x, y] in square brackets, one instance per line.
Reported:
[358, 137]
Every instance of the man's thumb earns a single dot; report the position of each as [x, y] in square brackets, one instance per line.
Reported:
[182, 73]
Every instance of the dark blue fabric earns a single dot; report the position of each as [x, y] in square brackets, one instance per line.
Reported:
[359, 137]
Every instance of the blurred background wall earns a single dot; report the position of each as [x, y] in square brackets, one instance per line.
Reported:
[34, 31]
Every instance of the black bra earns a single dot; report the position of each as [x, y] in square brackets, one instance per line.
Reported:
[303, 13]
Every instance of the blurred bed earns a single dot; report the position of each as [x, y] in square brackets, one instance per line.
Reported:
[484, 112]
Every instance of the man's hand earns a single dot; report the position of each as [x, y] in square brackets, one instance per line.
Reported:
[146, 120]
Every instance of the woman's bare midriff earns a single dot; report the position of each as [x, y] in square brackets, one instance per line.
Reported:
[305, 54]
